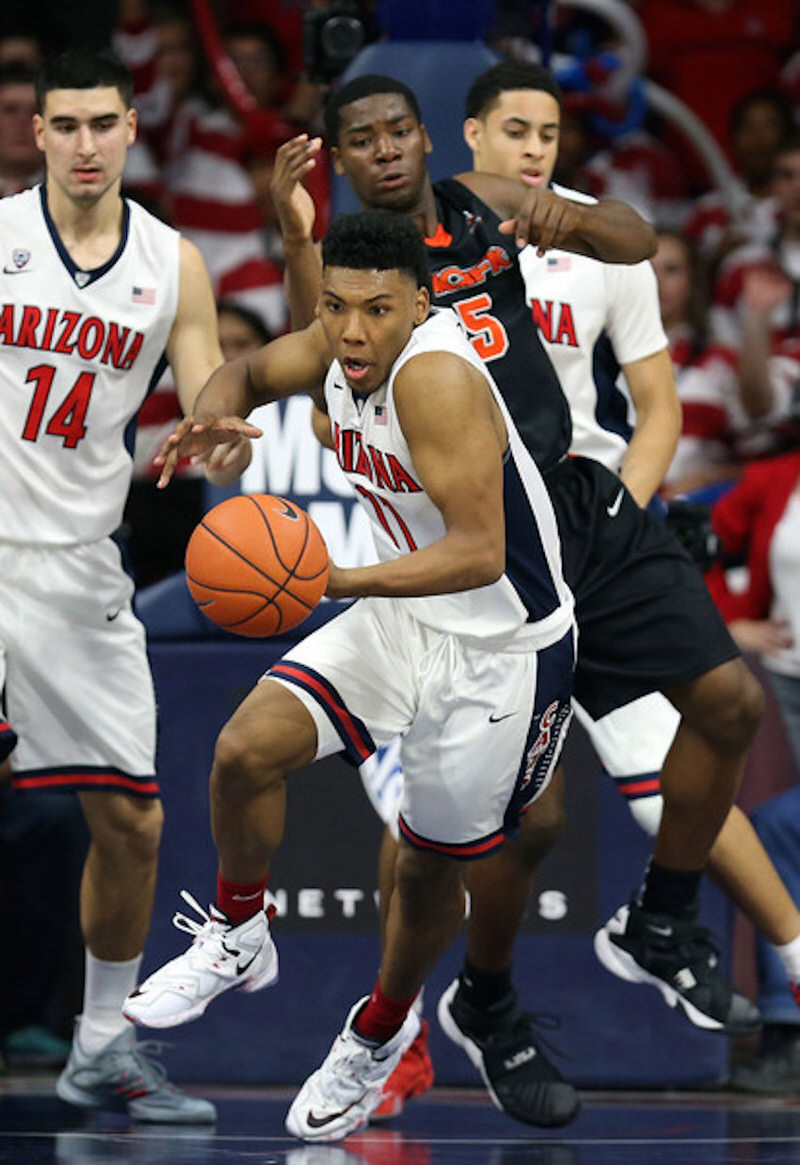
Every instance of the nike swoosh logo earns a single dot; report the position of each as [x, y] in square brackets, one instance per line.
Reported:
[242, 967]
[17, 270]
[666, 931]
[318, 1122]
[613, 509]
[289, 512]
[112, 615]
[496, 719]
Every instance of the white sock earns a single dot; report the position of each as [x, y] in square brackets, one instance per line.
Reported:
[105, 988]
[789, 955]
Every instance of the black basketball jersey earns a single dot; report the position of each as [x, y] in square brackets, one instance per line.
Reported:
[474, 269]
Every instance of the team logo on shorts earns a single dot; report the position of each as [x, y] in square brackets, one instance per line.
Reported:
[539, 756]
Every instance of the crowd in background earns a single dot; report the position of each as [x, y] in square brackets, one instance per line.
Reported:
[727, 265]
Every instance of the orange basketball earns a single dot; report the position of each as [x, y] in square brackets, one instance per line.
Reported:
[256, 565]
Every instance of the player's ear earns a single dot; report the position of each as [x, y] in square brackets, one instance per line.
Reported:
[337, 161]
[472, 132]
[38, 131]
[422, 306]
[426, 140]
[132, 119]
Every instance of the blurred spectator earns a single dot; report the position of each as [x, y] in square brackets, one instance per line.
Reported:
[20, 160]
[705, 373]
[21, 47]
[761, 123]
[241, 331]
[757, 295]
[758, 522]
[710, 53]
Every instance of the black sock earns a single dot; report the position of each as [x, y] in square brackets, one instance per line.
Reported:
[482, 989]
[671, 892]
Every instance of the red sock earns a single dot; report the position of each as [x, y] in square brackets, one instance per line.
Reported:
[381, 1017]
[240, 900]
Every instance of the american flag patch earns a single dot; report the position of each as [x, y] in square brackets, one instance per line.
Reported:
[380, 415]
[558, 262]
[143, 295]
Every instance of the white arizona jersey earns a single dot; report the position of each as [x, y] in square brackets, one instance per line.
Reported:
[593, 317]
[79, 350]
[530, 603]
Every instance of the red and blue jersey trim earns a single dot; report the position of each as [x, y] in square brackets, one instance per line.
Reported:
[354, 734]
[465, 851]
[104, 779]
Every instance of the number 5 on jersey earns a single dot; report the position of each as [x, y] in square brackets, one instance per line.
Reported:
[487, 335]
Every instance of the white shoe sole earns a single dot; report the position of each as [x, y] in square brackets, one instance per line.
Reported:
[624, 966]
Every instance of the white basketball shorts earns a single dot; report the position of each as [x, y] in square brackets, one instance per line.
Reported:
[78, 689]
[481, 730]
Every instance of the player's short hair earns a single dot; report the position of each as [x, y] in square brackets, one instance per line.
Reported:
[366, 86]
[377, 240]
[487, 88]
[84, 68]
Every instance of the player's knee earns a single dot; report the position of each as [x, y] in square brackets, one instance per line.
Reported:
[236, 766]
[426, 884]
[132, 830]
[742, 707]
[724, 706]
[646, 812]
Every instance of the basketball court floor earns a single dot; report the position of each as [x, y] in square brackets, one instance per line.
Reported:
[445, 1127]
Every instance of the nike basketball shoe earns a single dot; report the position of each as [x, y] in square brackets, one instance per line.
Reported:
[677, 957]
[220, 958]
[340, 1096]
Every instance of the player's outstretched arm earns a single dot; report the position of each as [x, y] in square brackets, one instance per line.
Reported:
[290, 365]
[456, 437]
[609, 230]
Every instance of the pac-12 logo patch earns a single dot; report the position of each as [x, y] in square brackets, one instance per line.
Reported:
[20, 258]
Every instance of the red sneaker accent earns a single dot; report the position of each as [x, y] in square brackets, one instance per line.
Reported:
[793, 987]
[412, 1076]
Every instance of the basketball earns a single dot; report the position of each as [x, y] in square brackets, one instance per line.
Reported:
[256, 565]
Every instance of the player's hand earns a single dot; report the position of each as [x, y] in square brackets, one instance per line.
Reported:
[198, 438]
[293, 204]
[225, 463]
[544, 219]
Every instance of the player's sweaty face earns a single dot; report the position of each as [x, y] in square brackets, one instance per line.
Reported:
[368, 317]
[518, 137]
[85, 134]
[381, 150]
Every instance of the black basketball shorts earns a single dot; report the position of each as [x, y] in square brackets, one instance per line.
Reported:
[646, 621]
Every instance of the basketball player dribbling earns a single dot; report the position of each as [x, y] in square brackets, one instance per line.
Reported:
[92, 291]
[458, 641]
[645, 617]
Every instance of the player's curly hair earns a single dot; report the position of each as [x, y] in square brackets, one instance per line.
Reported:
[487, 88]
[378, 240]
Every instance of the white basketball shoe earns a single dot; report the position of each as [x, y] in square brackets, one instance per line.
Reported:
[339, 1097]
[221, 957]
